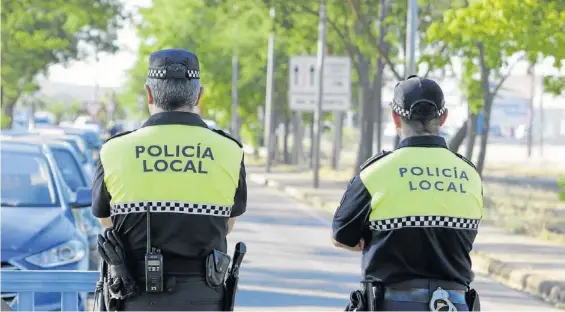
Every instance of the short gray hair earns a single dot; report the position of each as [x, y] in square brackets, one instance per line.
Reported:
[172, 94]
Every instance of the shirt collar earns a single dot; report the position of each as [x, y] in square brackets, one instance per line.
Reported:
[423, 141]
[175, 118]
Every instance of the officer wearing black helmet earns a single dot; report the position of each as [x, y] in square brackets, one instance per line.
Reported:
[414, 213]
[170, 192]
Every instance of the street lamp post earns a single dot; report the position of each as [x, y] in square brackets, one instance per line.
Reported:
[318, 115]
[411, 33]
[268, 133]
[234, 90]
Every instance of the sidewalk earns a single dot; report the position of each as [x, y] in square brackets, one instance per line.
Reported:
[528, 264]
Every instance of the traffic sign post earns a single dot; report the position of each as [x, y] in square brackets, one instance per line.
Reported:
[303, 83]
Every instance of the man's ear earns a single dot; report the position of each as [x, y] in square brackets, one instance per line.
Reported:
[443, 117]
[149, 95]
[199, 96]
[396, 119]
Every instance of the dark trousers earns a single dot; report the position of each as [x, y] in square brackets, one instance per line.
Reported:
[182, 293]
[413, 306]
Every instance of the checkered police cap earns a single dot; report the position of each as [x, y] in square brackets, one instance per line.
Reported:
[160, 61]
[408, 94]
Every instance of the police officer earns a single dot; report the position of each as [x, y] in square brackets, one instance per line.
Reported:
[414, 212]
[190, 177]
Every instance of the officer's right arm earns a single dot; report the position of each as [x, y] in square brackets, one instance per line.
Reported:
[240, 198]
[101, 197]
[351, 216]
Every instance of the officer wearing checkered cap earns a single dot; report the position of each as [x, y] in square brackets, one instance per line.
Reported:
[191, 179]
[413, 212]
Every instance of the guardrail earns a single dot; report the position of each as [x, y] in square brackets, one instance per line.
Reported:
[68, 283]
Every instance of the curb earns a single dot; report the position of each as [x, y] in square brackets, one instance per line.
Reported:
[520, 279]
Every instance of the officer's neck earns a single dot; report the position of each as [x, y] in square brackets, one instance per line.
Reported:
[185, 109]
[404, 134]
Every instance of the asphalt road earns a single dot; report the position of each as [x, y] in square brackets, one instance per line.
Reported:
[291, 264]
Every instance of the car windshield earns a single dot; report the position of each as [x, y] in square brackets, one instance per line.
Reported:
[26, 181]
[77, 149]
[69, 168]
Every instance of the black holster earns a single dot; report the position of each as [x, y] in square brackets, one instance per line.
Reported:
[369, 298]
[473, 300]
[99, 301]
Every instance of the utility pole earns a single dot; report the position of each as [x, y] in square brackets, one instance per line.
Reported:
[411, 33]
[234, 85]
[410, 53]
[268, 137]
[541, 119]
[318, 114]
[531, 72]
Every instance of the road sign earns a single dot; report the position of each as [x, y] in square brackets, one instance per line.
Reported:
[303, 83]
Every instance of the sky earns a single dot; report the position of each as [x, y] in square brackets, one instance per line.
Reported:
[111, 70]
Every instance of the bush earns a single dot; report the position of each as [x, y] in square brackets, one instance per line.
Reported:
[561, 183]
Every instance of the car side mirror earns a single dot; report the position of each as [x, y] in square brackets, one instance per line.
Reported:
[83, 198]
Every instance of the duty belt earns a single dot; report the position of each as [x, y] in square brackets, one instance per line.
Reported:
[438, 294]
[175, 266]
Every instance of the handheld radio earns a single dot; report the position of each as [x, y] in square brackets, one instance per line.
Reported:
[153, 263]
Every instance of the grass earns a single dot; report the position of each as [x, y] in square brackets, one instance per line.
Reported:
[521, 209]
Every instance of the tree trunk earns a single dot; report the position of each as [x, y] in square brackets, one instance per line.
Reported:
[7, 110]
[338, 135]
[488, 99]
[311, 156]
[367, 121]
[384, 6]
[457, 140]
[297, 130]
[8, 115]
[286, 153]
[471, 135]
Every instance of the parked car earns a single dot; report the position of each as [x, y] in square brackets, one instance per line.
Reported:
[38, 228]
[92, 138]
[75, 177]
[76, 141]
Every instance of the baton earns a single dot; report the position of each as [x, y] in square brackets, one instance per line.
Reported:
[233, 276]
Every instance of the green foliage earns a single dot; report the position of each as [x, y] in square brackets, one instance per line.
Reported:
[36, 34]
[505, 27]
[561, 184]
[554, 85]
[214, 30]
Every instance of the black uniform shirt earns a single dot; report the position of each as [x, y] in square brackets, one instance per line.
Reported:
[410, 252]
[176, 234]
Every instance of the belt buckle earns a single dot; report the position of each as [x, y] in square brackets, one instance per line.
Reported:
[440, 300]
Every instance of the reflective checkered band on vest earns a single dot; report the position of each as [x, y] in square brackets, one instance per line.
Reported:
[424, 221]
[173, 207]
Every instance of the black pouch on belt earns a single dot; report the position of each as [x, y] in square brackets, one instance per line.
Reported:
[217, 264]
[472, 299]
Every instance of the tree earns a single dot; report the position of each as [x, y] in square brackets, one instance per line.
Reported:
[214, 31]
[372, 33]
[490, 34]
[36, 34]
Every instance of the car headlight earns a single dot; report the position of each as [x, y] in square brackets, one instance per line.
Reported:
[69, 252]
[81, 223]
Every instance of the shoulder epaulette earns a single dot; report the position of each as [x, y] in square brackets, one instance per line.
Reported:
[222, 133]
[466, 160]
[118, 135]
[373, 159]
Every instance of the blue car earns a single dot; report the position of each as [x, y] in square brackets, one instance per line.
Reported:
[39, 230]
[78, 143]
